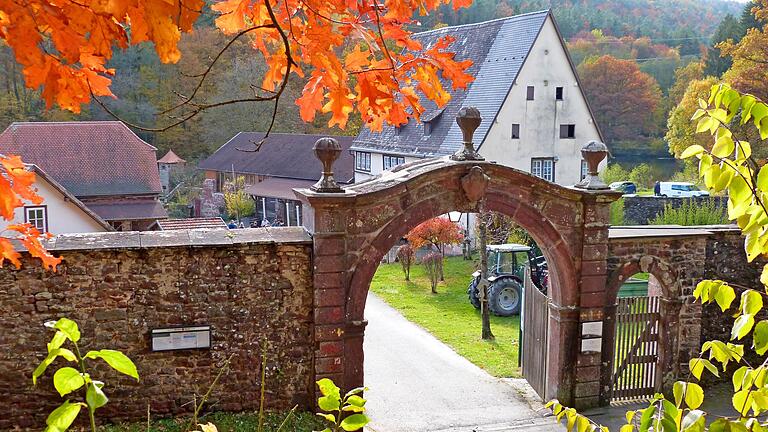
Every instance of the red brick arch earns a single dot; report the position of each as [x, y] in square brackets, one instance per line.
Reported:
[354, 230]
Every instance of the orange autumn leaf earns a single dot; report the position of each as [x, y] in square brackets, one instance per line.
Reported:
[382, 57]
[16, 186]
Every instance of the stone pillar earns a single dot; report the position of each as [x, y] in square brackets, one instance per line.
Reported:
[592, 369]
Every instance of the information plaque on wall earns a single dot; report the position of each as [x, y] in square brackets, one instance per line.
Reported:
[180, 338]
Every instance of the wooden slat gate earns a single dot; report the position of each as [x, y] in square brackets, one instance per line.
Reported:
[535, 331]
[636, 350]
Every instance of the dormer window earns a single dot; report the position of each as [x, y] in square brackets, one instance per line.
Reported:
[427, 128]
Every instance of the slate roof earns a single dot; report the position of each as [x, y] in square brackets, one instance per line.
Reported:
[128, 209]
[282, 155]
[498, 49]
[87, 158]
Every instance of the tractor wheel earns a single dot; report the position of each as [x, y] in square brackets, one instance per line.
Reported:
[473, 294]
[505, 297]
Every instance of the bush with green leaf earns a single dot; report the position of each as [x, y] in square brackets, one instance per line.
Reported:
[692, 212]
[342, 413]
[726, 166]
[68, 380]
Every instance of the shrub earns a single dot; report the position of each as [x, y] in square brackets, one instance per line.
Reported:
[617, 212]
[433, 263]
[692, 212]
[405, 255]
[642, 176]
[613, 173]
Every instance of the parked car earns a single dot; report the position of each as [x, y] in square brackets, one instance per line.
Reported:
[506, 270]
[680, 190]
[626, 187]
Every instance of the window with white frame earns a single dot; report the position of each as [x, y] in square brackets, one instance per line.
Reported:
[392, 161]
[584, 169]
[363, 161]
[543, 168]
[37, 217]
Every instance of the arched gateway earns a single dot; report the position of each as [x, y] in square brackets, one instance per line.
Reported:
[355, 227]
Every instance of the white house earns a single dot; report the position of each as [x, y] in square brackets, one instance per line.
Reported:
[59, 213]
[535, 115]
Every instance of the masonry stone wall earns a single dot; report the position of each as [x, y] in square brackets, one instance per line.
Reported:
[252, 286]
[640, 210]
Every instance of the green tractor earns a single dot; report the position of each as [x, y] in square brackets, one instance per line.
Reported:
[506, 270]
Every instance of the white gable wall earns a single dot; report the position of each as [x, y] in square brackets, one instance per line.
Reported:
[546, 68]
[63, 215]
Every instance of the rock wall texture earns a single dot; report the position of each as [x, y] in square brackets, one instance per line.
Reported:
[253, 287]
[641, 210]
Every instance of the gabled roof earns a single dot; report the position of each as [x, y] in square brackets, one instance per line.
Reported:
[498, 50]
[87, 158]
[171, 158]
[120, 209]
[282, 155]
[69, 197]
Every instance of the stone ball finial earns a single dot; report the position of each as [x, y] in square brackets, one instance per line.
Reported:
[469, 120]
[593, 152]
[327, 150]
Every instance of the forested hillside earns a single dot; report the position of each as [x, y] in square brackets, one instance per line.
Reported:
[660, 36]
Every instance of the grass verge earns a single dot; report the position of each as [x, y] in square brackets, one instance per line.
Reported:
[227, 422]
[449, 316]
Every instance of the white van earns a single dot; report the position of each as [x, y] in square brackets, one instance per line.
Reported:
[680, 190]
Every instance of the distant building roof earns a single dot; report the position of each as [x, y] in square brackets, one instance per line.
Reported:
[128, 209]
[190, 223]
[278, 188]
[282, 155]
[171, 158]
[87, 158]
[69, 197]
[498, 49]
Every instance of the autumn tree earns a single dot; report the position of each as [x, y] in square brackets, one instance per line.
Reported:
[406, 255]
[681, 133]
[238, 202]
[64, 48]
[623, 98]
[436, 233]
[749, 69]
[433, 267]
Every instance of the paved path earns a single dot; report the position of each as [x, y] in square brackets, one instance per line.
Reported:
[419, 384]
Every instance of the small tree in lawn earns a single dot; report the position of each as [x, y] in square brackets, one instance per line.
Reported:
[433, 266]
[438, 233]
[405, 255]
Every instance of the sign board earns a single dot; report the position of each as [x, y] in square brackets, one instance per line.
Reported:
[179, 338]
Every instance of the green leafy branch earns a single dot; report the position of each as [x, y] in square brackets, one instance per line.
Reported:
[342, 414]
[68, 380]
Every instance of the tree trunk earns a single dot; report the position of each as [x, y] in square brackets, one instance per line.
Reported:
[441, 249]
[483, 233]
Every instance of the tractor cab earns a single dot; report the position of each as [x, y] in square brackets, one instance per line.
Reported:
[506, 272]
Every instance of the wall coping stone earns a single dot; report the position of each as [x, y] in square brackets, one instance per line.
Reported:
[618, 233]
[177, 238]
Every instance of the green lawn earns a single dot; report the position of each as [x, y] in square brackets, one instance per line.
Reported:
[226, 422]
[449, 316]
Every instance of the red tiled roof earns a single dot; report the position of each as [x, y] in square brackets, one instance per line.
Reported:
[87, 158]
[190, 223]
[171, 158]
[129, 209]
[281, 155]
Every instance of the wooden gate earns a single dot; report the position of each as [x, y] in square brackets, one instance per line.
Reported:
[535, 330]
[636, 373]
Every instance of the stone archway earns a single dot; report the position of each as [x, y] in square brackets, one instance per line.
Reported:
[675, 261]
[354, 229]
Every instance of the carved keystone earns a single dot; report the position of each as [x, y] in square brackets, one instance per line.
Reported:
[327, 150]
[468, 119]
[593, 152]
[474, 184]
